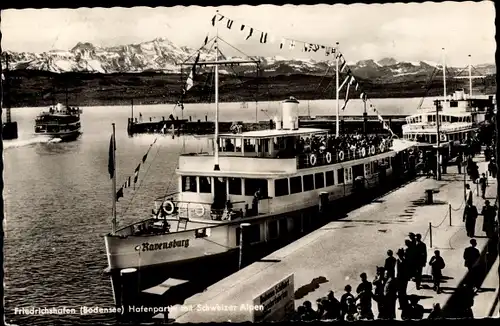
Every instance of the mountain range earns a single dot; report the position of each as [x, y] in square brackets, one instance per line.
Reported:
[161, 55]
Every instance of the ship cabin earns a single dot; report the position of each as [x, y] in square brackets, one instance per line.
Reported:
[458, 117]
[273, 171]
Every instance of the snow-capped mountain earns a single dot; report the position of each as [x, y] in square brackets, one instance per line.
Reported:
[164, 56]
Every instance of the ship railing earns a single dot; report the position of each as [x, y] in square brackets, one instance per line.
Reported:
[166, 206]
[333, 156]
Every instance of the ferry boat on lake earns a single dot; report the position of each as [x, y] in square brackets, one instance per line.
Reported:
[59, 121]
[275, 180]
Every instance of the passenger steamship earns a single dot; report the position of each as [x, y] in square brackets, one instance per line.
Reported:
[59, 121]
[272, 179]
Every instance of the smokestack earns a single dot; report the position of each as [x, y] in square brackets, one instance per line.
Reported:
[290, 113]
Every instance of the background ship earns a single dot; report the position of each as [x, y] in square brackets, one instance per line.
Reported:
[60, 121]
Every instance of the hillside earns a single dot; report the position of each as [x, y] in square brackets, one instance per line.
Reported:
[42, 88]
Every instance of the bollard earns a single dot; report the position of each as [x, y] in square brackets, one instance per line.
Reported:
[430, 235]
[477, 189]
[129, 285]
[449, 212]
[189, 118]
[429, 199]
[243, 227]
[206, 118]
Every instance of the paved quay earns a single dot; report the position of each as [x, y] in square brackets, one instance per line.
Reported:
[334, 255]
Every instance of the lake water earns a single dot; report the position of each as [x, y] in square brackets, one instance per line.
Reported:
[58, 199]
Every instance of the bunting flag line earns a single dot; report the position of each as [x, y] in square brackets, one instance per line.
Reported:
[145, 157]
[190, 80]
[119, 193]
[111, 161]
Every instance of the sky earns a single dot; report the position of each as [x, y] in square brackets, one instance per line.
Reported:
[406, 32]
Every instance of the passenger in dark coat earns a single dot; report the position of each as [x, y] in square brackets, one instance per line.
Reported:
[402, 278]
[410, 256]
[492, 168]
[489, 214]
[333, 307]
[471, 261]
[413, 311]
[364, 291]
[343, 299]
[390, 296]
[390, 264]
[459, 163]
[470, 216]
[378, 292]
[436, 312]
[483, 183]
[309, 313]
[421, 259]
[437, 265]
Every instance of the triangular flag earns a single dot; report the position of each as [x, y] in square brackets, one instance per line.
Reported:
[119, 193]
[282, 43]
[206, 40]
[111, 161]
[128, 182]
[357, 85]
[249, 34]
[263, 37]
[136, 173]
[221, 18]
[144, 157]
[213, 20]
[190, 80]
[242, 27]
[343, 65]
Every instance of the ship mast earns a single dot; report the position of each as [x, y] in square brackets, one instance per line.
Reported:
[337, 91]
[470, 77]
[7, 98]
[113, 183]
[444, 75]
[216, 134]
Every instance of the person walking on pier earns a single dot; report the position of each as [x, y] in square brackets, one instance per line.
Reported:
[471, 261]
[421, 259]
[492, 168]
[469, 195]
[470, 216]
[489, 214]
[410, 256]
[364, 291]
[390, 263]
[378, 291]
[390, 296]
[437, 265]
[483, 183]
[343, 299]
[402, 278]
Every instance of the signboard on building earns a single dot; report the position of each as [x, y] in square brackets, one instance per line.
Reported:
[276, 303]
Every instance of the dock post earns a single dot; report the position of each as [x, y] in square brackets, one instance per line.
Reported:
[190, 119]
[243, 227]
[130, 289]
[323, 202]
[430, 235]
[477, 189]
[449, 212]
[206, 118]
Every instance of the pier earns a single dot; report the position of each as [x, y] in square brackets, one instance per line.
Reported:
[9, 127]
[348, 124]
[337, 253]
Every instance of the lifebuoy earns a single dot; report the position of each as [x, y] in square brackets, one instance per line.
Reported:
[372, 150]
[363, 152]
[443, 137]
[168, 207]
[328, 157]
[381, 147]
[341, 155]
[199, 210]
[312, 159]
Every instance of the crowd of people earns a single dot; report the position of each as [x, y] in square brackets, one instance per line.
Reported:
[345, 143]
[388, 288]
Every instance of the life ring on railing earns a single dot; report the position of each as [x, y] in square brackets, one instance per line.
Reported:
[168, 207]
[312, 159]
[199, 210]
[382, 148]
[328, 157]
[341, 155]
[372, 150]
[363, 151]
[443, 137]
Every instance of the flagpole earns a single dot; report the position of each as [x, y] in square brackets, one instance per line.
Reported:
[337, 89]
[216, 136]
[114, 182]
[444, 75]
[470, 76]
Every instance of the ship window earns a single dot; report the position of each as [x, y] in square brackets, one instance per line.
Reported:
[319, 180]
[252, 234]
[295, 185]
[205, 185]
[329, 178]
[252, 185]
[281, 187]
[234, 186]
[453, 104]
[368, 168]
[308, 182]
[189, 184]
[340, 176]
